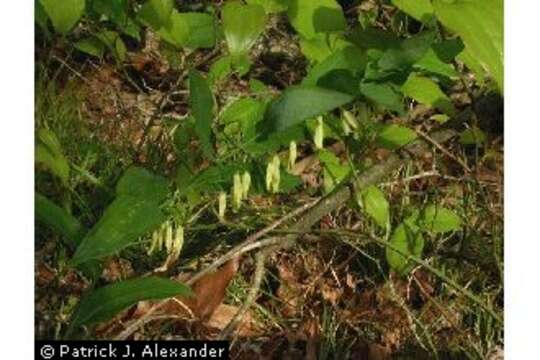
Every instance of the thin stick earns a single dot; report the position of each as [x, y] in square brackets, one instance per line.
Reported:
[423, 175]
[317, 210]
[443, 150]
[241, 248]
[251, 297]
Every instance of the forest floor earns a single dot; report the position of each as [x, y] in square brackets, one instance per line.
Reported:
[330, 296]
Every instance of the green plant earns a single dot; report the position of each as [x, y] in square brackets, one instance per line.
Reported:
[359, 78]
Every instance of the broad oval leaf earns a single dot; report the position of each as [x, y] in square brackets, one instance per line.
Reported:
[49, 153]
[141, 183]
[406, 241]
[310, 17]
[299, 103]
[247, 113]
[395, 136]
[270, 6]
[334, 171]
[375, 205]
[40, 16]
[91, 46]
[472, 136]
[214, 178]
[103, 303]
[64, 14]
[438, 219]
[123, 223]
[117, 11]
[202, 106]
[408, 52]
[383, 95]
[427, 92]
[135, 212]
[479, 23]
[156, 13]
[433, 64]
[421, 10]
[58, 219]
[349, 58]
[191, 30]
[242, 25]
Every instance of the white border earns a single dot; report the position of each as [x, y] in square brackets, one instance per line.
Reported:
[17, 180]
[522, 180]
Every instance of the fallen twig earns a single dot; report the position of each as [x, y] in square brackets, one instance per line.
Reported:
[317, 210]
[260, 259]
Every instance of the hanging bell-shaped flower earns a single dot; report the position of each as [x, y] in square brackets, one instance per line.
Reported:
[292, 156]
[222, 204]
[246, 184]
[318, 137]
[168, 237]
[350, 120]
[276, 178]
[269, 175]
[178, 240]
[237, 192]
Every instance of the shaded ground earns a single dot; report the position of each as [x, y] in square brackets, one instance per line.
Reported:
[329, 297]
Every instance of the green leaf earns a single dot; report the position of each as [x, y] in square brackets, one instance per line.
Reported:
[241, 63]
[472, 136]
[242, 25]
[114, 43]
[374, 38]
[320, 47]
[310, 17]
[123, 223]
[191, 30]
[270, 6]
[407, 240]
[64, 14]
[334, 171]
[40, 16]
[113, 9]
[288, 182]
[431, 63]
[103, 303]
[350, 58]
[220, 69]
[299, 103]
[438, 219]
[383, 95]
[247, 112]
[447, 50]
[91, 46]
[271, 141]
[49, 154]
[58, 219]
[202, 105]
[213, 178]
[135, 212]
[140, 183]
[427, 92]
[479, 23]
[421, 10]
[156, 13]
[473, 64]
[117, 11]
[395, 136]
[409, 52]
[375, 205]
[440, 118]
